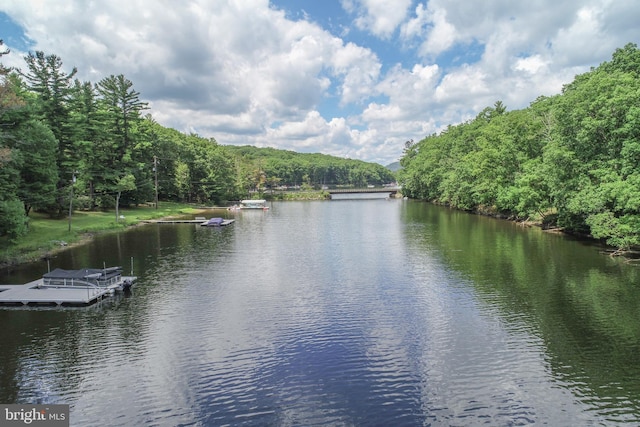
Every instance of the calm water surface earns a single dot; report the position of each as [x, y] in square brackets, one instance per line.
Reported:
[349, 313]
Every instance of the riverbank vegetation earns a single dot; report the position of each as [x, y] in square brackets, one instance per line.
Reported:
[302, 194]
[569, 161]
[47, 235]
[74, 146]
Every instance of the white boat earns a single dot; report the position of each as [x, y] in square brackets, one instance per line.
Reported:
[251, 204]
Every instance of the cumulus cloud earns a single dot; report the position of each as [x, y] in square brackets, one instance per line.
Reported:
[380, 17]
[359, 69]
[430, 25]
[313, 133]
[244, 72]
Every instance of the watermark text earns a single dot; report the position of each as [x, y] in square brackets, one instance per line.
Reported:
[34, 415]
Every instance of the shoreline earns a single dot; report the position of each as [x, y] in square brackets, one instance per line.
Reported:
[629, 255]
[84, 238]
[89, 236]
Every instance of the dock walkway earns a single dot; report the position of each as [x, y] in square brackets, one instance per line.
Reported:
[201, 221]
[32, 294]
[174, 221]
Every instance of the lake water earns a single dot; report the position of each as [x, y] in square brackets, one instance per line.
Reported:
[348, 313]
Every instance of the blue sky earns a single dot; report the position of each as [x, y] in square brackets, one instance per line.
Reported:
[351, 78]
[13, 34]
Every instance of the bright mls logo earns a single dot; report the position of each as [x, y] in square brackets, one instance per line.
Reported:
[34, 415]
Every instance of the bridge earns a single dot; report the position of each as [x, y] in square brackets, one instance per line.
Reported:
[390, 190]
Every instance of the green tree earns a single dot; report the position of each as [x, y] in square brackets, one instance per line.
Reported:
[599, 127]
[52, 86]
[121, 107]
[13, 221]
[571, 159]
[262, 165]
[182, 180]
[88, 133]
[125, 183]
[38, 170]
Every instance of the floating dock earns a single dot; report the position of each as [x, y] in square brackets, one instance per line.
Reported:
[35, 294]
[173, 221]
[200, 221]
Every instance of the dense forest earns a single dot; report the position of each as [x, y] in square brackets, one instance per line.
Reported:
[68, 144]
[570, 160]
[290, 169]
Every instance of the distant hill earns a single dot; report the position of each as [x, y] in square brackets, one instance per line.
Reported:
[394, 167]
[285, 167]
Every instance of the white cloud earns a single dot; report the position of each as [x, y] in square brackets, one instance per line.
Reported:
[583, 39]
[242, 72]
[431, 26]
[410, 92]
[464, 85]
[532, 64]
[380, 17]
[313, 134]
[359, 69]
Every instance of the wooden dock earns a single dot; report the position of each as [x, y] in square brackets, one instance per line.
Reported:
[174, 221]
[32, 294]
[198, 220]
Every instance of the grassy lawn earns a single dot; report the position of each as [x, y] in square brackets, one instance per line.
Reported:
[47, 235]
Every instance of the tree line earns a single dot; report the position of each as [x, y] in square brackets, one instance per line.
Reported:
[67, 143]
[570, 160]
[274, 168]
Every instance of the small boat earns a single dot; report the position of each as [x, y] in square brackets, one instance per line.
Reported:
[217, 222]
[254, 204]
[102, 278]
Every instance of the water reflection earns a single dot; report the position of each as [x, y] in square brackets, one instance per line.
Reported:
[372, 312]
[582, 305]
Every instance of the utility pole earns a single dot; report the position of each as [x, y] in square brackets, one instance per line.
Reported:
[155, 170]
[73, 181]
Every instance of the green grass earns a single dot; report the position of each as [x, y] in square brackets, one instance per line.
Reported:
[47, 235]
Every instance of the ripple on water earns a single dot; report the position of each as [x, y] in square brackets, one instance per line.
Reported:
[284, 320]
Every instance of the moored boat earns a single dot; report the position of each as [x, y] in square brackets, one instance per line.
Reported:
[217, 222]
[253, 204]
[106, 278]
[68, 287]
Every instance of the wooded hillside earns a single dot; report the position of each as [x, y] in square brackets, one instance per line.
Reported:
[570, 160]
[288, 168]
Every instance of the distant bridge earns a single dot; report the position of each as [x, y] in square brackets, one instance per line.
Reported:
[391, 190]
